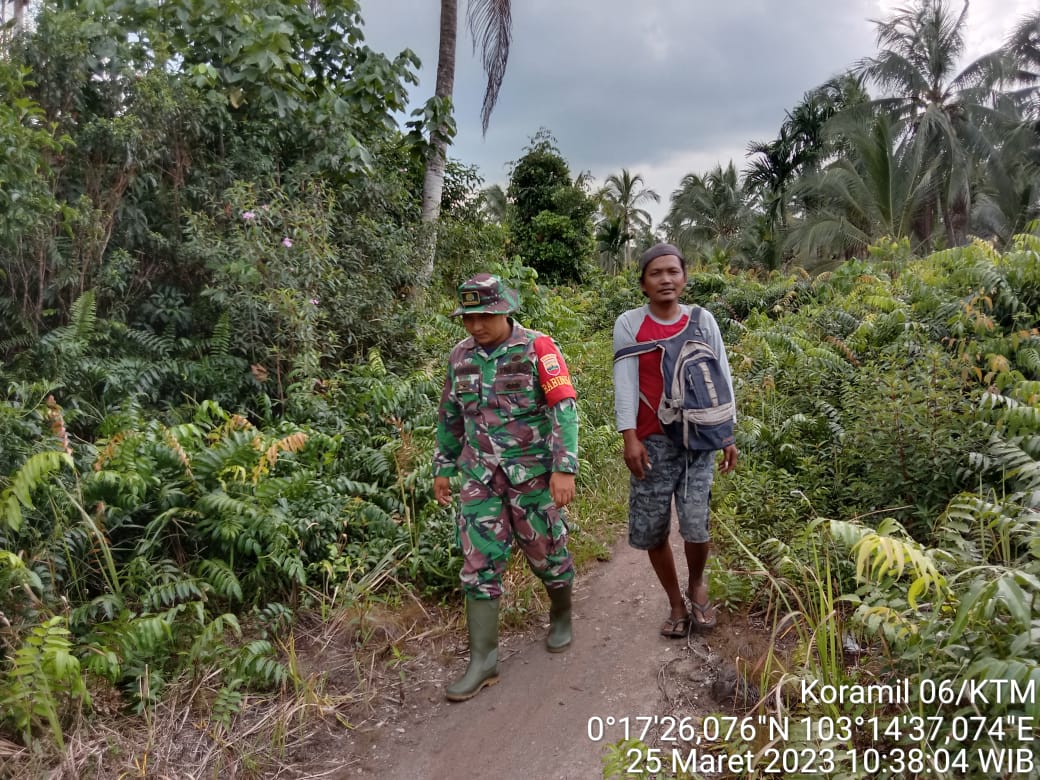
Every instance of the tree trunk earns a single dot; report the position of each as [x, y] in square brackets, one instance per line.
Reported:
[433, 182]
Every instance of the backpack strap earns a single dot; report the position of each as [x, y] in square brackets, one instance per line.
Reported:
[638, 349]
[643, 347]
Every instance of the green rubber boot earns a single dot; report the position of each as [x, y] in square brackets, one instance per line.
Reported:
[482, 624]
[559, 638]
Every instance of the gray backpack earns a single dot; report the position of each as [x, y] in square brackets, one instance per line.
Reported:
[697, 406]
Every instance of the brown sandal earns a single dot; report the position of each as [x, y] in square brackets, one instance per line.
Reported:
[676, 628]
[702, 620]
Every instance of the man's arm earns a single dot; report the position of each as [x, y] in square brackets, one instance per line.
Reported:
[564, 443]
[563, 439]
[626, 398]
[560, 397]
[626, 376]
[450, 431]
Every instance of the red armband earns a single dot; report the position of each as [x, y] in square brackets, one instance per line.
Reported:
[552, 372]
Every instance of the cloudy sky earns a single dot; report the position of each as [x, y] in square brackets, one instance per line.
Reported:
[660, 87]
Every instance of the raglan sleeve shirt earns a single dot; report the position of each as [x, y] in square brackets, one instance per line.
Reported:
[626, 371]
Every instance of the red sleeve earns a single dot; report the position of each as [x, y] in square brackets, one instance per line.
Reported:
[552, 372]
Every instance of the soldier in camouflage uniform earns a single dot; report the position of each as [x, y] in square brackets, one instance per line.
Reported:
[508, 423]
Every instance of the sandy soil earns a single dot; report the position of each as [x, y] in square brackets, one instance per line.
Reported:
[535, 723]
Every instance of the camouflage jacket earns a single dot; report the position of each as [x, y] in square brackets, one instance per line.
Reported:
[513, 408]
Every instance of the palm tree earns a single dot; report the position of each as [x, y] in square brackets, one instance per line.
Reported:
[768, 179]
[621, 197]
[882, 187]
[1023, 50]
[1008, 194]
[494, 203]
[801, 148]
[709, 210]
[805, 127]
[943, 110]
[806, 124]
[611, 242]
[490, 22]
[771, 175]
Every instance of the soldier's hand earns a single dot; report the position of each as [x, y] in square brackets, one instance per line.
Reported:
[561, 488]
[442, 490]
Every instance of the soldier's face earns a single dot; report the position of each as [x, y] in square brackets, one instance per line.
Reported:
[488, 330]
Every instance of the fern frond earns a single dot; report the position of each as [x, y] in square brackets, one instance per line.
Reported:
[228, 703]
[1027, 360]
[880, 555]
[375, 363]
[257, 663]
[33, 474]
[893, 625]
[294, 442]
[825, 359]
[885, 303]
[1005, 593]
[221, 577]
[154, 344]
[210, 641]
[1024, 672]
[83, 317]
[219, 344]
[42, 673]
[1026, 242]
[170, 593]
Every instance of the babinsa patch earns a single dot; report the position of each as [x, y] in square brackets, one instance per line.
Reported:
[551, 364]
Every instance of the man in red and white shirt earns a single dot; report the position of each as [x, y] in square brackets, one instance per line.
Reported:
[661, 470]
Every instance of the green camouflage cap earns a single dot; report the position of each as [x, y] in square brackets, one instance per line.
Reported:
[485, 294]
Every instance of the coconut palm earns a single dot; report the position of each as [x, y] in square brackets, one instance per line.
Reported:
[611, 242]
[621, 197]
[709, 210]
[1023, 49]
[490, 23]
[1008, 194]
[943, 110]
[882, 187]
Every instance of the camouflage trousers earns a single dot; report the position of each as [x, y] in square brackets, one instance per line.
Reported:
[492, 515]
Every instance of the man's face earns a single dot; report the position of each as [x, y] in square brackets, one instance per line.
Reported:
[664, 279]
[488, 330]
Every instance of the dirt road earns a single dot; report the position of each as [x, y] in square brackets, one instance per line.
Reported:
[536, 722]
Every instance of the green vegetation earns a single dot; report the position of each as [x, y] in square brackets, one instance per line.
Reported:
[219, 380]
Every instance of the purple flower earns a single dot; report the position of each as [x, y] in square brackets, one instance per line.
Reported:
[248, 215]
[287, 242]
[314, 301]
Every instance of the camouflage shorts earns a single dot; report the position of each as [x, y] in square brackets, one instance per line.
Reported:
[493, 515]
[684, 475]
